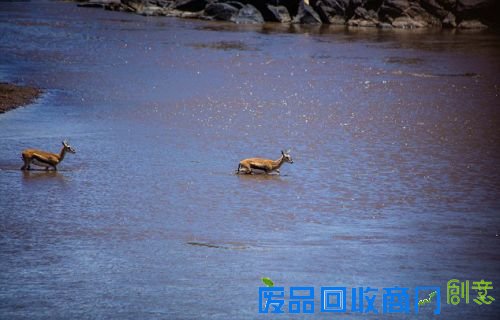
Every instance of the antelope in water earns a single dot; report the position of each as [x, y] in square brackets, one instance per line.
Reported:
[248, 165]
[45, 159]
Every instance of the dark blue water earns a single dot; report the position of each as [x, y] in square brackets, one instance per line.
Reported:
[395, 181]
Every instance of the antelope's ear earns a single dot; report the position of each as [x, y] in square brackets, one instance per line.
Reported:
[64, 142]
[283, 153]
[289, 150]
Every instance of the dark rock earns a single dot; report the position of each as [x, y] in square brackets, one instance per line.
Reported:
[221, 11]
[447, 4]
[449, 21]
[471, 24]
[416, 12]
[248, 14]
[131, 5]
[153, 11]
[385, 25]
[114, 7]
[362, 23]
[190, 5]
[406, 14]
[279, 14]
[362, 13]
[91, 5]
[364, 18]
[407, 23]
[434, 8]
[143, 7]
[470, 5]
[392, 9]
[291, 5]
[161, 3]
[185, 14]
[483, 10]
[262, 7]
[97, 3]
[338, 7]
[381, 13]
[332, 11]
[306, 15]
[236, 4]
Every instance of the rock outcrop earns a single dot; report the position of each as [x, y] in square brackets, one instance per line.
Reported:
[279, 14]
[469, 14]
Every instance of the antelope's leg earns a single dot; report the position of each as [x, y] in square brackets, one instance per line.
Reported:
[26, 165]
[242, 169]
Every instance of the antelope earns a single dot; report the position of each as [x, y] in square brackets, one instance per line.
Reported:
[45, 159]
[267, 165]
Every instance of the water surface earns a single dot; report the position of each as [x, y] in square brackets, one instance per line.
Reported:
[395, 181]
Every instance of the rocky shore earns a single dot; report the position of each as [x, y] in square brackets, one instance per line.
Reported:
[463, 14]
[13, 96]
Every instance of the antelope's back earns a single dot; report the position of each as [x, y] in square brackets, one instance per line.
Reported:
[254, 160]
[31, 152]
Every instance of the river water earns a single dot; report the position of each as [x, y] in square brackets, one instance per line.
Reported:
[395, 180]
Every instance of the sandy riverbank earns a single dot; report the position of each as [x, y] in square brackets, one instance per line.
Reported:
[14, 96]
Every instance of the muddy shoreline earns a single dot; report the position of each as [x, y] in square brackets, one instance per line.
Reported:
[14, 96]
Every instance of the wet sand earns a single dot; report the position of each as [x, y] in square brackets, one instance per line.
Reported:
[13, 96]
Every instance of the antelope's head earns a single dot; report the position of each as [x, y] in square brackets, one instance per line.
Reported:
[67, 147]
[286, 156]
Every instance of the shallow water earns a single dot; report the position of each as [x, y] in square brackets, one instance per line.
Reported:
[395, 181]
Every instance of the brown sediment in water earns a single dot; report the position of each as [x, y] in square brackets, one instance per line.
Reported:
[14, 96]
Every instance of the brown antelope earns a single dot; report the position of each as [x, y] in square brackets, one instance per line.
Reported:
[45, 159]
[248, 165]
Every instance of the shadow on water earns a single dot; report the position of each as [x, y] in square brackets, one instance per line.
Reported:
[224, 45]
[258, 181]
[404, 60]
[42, 176]
[271, 28]
[425, 39]
[229, 246]
[259, 176]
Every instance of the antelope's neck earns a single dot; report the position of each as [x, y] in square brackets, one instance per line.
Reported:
[62, 154]
[277, 163]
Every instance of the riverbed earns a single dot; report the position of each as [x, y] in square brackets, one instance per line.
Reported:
[395, 182]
